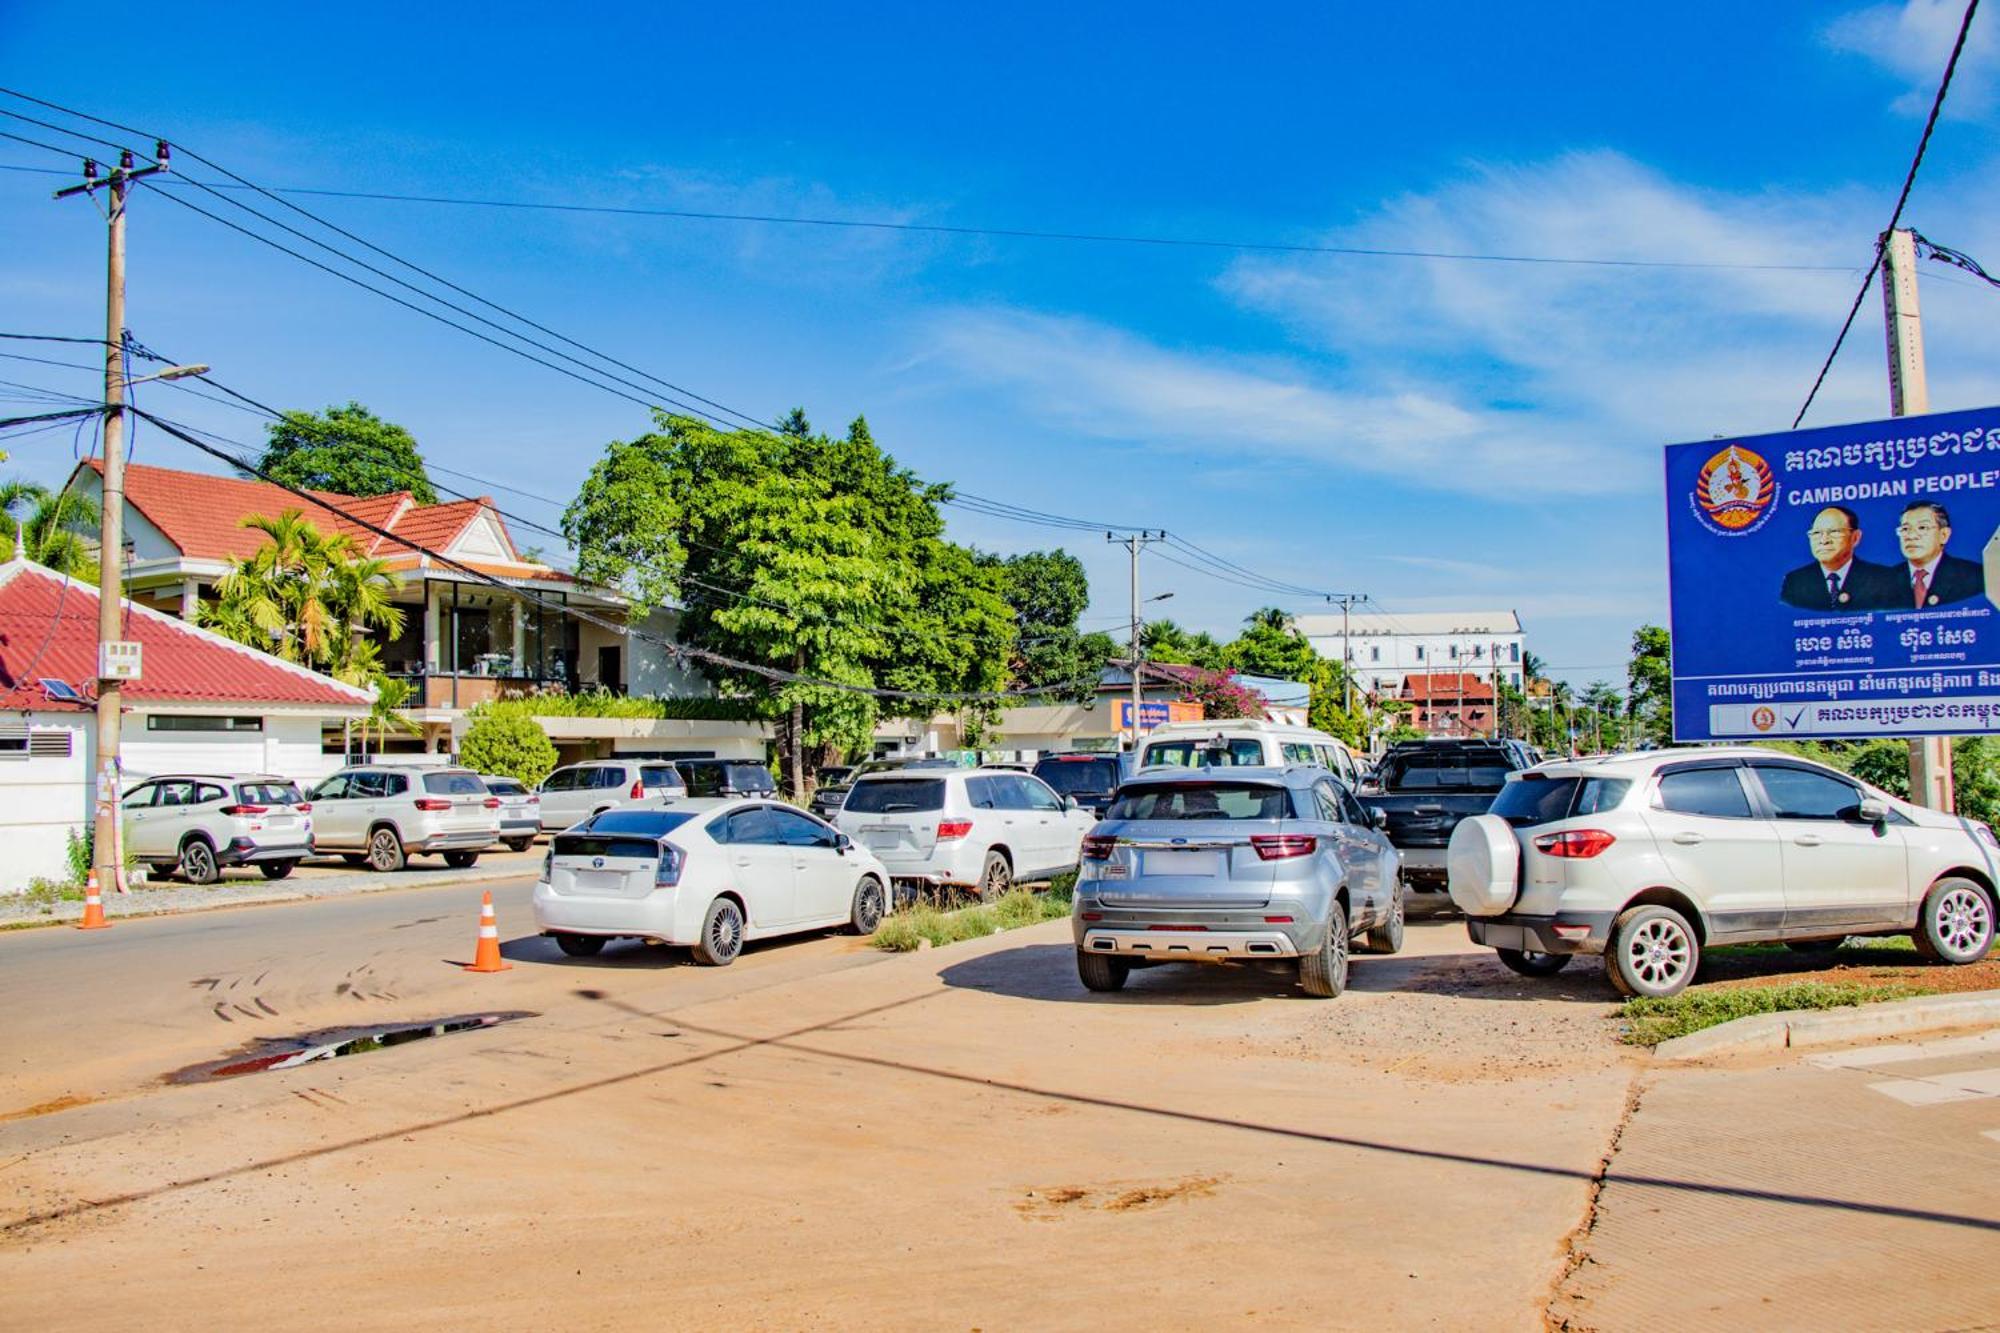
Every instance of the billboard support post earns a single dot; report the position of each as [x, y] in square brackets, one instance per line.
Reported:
[1909, 395]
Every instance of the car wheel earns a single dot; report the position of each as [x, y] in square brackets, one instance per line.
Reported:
[519, 844]
[1101, 971]
[867, 913]
[1653, 952]
[995, 878]
[385, 851]
[721, 934]
[1529, 963]
[1956, 924]
[460, 860]
[1388, 937]
[1813, 946]
[198, 862]
[581, 946]
[1324, 974]
[355, 858]
[276, 869]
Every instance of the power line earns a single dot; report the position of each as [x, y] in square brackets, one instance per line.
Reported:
[1903, 198]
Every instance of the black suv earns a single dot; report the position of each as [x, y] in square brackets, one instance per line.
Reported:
[725, 777]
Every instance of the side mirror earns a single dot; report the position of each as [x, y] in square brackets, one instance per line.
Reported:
[1378, 817]
[1071, 803]
[841, 842]
[1872, 810]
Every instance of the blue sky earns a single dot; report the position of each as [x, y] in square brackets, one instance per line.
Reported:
[1433, 433]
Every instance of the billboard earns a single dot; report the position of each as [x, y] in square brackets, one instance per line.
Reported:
[1154, 713]
[1837, 582]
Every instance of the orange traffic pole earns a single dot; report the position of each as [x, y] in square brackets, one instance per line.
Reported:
[487, 957]
[93, 906]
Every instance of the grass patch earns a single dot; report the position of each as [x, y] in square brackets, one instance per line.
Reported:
[1883, 944]
[1652, 1021]
[44, 894]
[906, 930]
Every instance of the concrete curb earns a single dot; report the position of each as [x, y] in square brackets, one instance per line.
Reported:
[1829, 1027]
[134, 906]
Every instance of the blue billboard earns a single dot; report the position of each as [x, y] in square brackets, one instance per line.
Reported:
[1837, 582]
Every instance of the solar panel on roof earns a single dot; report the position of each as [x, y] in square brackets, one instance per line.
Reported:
[60, 689]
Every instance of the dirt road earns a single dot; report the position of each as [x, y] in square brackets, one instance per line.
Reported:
[818, 1136]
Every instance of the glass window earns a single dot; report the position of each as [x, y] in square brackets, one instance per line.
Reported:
[505, 787]
[1714, 792]
[654, 823]
[1350, 809]
[1237, 752]
[140, 796]
[1035, 795]
[368, 786]
[1080, 777]
[983, 793]
[899, 796]
[752, 826]
[1327, 802]
[1798, 793]
[207, 792]
[1531, 801]
[563, 779]
[1456, 768]
[333, 789]
[1599, 794]
[660, 775]
[1297, 753]
[176, 791]
[454, 784]
[268, 793]
[603, 779]
[1203, 801]
[589, 844]
[394, 784]
[749, 778]
[194, 722]
[796, 830]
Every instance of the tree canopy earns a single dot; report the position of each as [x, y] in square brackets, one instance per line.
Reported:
[347, 450]
[1270, 646]
[1650, 676]
[59, 528]
[1048, 591]
[308, 598]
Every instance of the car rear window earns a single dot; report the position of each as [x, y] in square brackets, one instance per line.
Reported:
[504, 787]
[268, 793]
[1530, 801]
[895, 796]
[591, 844]
[660, 775]
[1445, 770]
[1071, 776]
[1201, 800]
[1242, 752]
[454, 784]
[751, 777]
[652, 823]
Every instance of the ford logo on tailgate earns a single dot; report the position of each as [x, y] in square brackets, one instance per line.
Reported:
[597, 863]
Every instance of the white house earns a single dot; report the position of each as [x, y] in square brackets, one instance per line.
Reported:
[201, 703]
[1381, 650]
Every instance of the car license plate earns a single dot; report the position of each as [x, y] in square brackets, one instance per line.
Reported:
[1114, 870]
[1183, 863]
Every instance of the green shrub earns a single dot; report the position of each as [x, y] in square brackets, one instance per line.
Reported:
[927, 921]
[508, 744]
[603, 703]
[1656, 1020]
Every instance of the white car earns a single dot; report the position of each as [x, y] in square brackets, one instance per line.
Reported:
[1649, 858]
[582, 790]
[975, 828]
[1247, 742]
[202, 822]
[706, 873]
[380, 815]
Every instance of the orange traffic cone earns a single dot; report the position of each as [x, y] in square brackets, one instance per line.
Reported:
[93, 907]
[487, 957]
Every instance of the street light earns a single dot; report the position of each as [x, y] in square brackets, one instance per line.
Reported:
[170, 373]
[1161, 598]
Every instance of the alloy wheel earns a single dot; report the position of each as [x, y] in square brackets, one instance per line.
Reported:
[1964, 921]
[382, 851]
[198, 864]
[725, 934]
[1659, 953]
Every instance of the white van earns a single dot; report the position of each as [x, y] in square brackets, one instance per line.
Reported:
[1246, 743]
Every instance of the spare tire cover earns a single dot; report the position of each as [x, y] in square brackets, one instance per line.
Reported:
[1484, 862]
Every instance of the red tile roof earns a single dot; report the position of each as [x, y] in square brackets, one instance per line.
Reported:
[203, 514]
[1452, 686]
[48, 630]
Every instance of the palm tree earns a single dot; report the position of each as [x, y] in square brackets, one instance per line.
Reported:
[1269, 617]
[385, 715]
[308, 598]
[58, 527]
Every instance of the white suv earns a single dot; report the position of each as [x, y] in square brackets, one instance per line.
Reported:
[200, 822]
[380, 815]
[1649, 858]
[980, 828]
[573, 794]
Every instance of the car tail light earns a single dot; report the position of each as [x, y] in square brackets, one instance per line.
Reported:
[432, 804]
[532, 800]
[1575, 845]
[672, 859]
[246, 809]
[949, 829]
[304, 807]
[638, 790]
[1097, 848]
[491, 803]
[1283, 846]
[1277, 921]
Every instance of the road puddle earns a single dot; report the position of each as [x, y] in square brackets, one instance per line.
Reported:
[334, 1043]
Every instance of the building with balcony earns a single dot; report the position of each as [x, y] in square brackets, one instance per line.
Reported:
[1380, 650]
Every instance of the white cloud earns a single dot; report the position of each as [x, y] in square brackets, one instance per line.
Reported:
[1912, 41]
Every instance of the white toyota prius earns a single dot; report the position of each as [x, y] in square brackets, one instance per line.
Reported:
[706, 874]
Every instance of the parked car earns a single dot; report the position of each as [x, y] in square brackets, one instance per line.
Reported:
[1425, 788]
[520, 811]
[827, 797]
[380, 815]
[1091, 776]
[1246, 742]
[1271, 865]
[726, 777]
[578, 791]
[968, 828]
[706, 873]
[1650, 858]
[201, 822]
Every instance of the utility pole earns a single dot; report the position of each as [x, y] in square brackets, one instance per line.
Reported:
[1135, 543]
[107, 856]
[1346, 601]
[1909, 395]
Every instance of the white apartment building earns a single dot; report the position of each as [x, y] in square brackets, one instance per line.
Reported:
[1383, 650]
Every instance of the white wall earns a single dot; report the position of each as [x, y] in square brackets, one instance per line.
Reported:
[41, 801]
[289, 746]
[1381, 661]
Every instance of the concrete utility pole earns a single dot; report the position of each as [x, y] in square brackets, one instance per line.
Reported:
[107, 856]
[1347, 601]
[1909, 395]
[1135, 543]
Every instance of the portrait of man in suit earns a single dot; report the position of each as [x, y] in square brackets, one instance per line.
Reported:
[1837, 579]
[1929, 576]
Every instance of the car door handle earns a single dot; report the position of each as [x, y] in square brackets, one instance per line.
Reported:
[1690, 838]
[1808, 840]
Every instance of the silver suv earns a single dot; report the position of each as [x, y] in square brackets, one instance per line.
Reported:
[380, 815]
[573, 794]
[1235, 865]
[201, 822]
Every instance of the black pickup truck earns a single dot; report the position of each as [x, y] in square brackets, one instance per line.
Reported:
[1425, 788]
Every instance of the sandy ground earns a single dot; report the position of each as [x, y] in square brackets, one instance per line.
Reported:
[819, 1136]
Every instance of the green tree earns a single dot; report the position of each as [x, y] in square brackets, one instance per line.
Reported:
[1328, 709]
[1650, 695]
[60, 528]
[307, 598]
[347, 450]
[1164, 641]
[1270, 646]
[507, 744]
[1048, 592]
